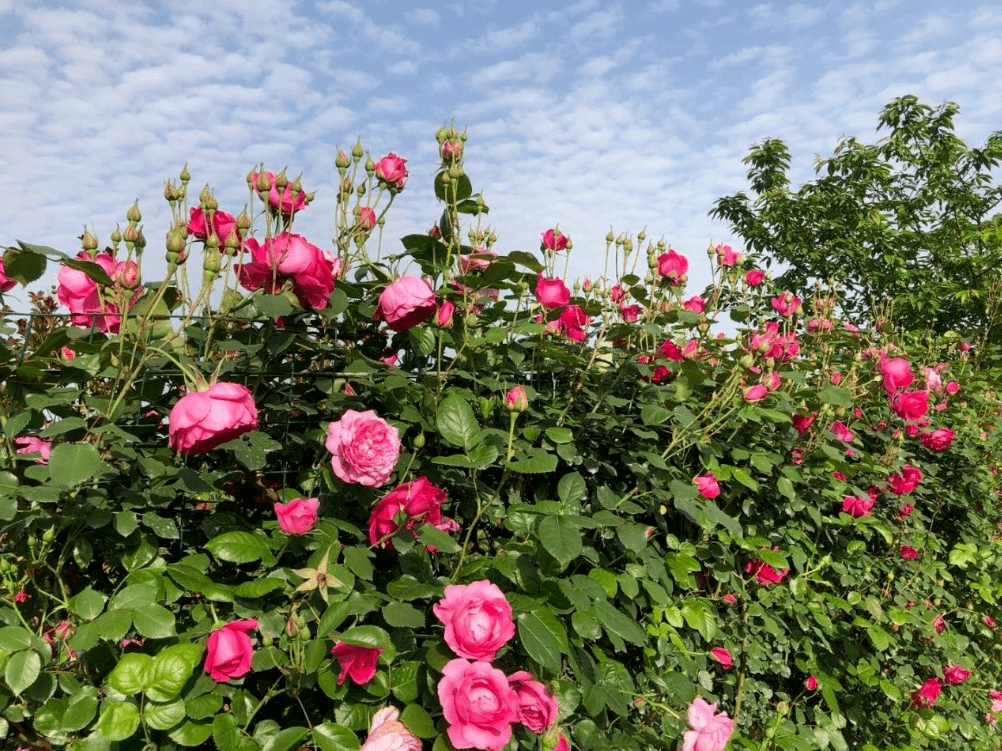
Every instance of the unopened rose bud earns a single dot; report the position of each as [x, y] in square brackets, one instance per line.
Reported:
[281, 180]
[177, 239]
[243, 221]
[133, 214]
[263, 183]
[185, 175]
[211, 262]
[360, 190]
[516, 400]
[232, 243]
[207, 201]
[170, 192]
[212, 241]
[88, 241]
[252, 179]
[610, 237]
[130, 235]
[357, 152]
[128, 275]
[587, 286]
[342, 161]
[441, 135]
[419, 441]
[370, 166]
[116, 236]
[308, 197]
[443, 317]
[140, 240]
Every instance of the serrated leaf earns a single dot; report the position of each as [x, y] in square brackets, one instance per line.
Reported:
[134, 597]
[543, 637]
[285, 739]
[15, 638]
[22, 669]
[131, 674]
[456, 422]
[402, 615]
[80, 709]
[616, 622]
[163, 716]
[538, 462]
[441, 541]
[328, 736]
[77, 463]
[560, 537]
[653, 414]
[240, 547]
[154, 621]
[171, 669]
[24, 265]
[572, 488]
[418, 721]
[192, 733]
[118, 721]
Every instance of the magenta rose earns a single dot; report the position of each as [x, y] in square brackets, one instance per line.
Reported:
[416, 501]
[229, 650]
[937, 440]
[6, 283]
[696, 304]
[764, 573]
[723, 657]
[754, 277]
[478, 704]
[291, 257]
[572, 321]
[32, 444]
[537, 706]
[364, 448]
[905, 481]
[956, 674]
[289, 202]
[553, 239]
[203, 420]
[477, 618]
[223, 225]
[405, 303]
[387, 733]
[673, 267]
[897, 374]
[358, 662]
[909, 553]
[911, 405]
[756, 393]
[857, 506]
[727, 256]
[710, 729]
[298, 516]
[82, 295]
[927, 695]
[391, 171]
[707, 485]
[551, 293]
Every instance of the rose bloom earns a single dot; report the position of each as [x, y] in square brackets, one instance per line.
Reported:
[764, 573]
[33, 445]
[937, 440]
[710, 730]
[366, 218]
[939, 623]
[357, 662]
[203, 420]
[572, 321]
[857, 506]
[417, 501]
[298, 516]
[391, 171]
[480, 259]
[696, 304]
[842, 432]
[537, 706]
[387, 733]
[562, 744]
[754, 277]
[477, 618]
[786, 304]
[909, 553]
[553, 239]
[727, 256]
[927, 695]
[802, 422]
[952, 387]
[723, 657]
[956, 674]
[630, 313]
[288, 202]
[811, 684]
[673, 267]
[897, 374]
[6, 283]
[756, 393]
[364, 448]
[405, 303]
[478, 704]
[223, 225]
[911, 405]
[707, 485]
[229, 650]
[82, 295]
[905, 481]
[516, 399]
[443, 316]
[289, 256]
[551, 293]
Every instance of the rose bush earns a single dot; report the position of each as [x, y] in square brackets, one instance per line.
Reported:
[519, 525]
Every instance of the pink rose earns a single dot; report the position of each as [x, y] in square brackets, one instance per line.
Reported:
[857, 506]
[390, 170]
[298, 516]
[477, 618]
[364, 448]
[229, 650]
[723, 657]
[417, 501]
[754, 277]
[32, 445]
[480, 259]
[82, 295]
[6, 283]
[764, 573]
[537, 706]
[516, 399]
[707, 485]
[478, 704]
[222, 225]
[366, 218]
[696, 304]
[803, 422]
[811, 684]
[956, 674]
[937, 440]
[897, 374]
[405, 303]
[630, 313]
[562, 744]
[288, 203]
[443, 316]
[203, 420]
[905, 481]
[289, 256]
[909, 553]
[756, 393]
[786, 304]
[911, 405]
[952, 387]
[551, 293]
[727, 256]
[572, 321]
[553, 239]
[673, 267]
[842, 432]
[387, 733]
[357, 662]
[710, 729]
[927, 695]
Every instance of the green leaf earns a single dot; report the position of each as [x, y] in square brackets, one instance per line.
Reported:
[653, 414]
[538, 462]
[206, 705]
[543, 637]
[418, 721]
[560, 435]
[572, 488]
[163, 716]
[333, 617]
[429, 535]
[154, 621]
[274, 306]
[171, 669]
[24, 265]
[368, 636]
[328, 736]
[134, 597]
[21, 670]
[258, 587]
[80, 709]
[77, 463]
[240, 547]
[192, 733]
[118, 721]
[404, 680]
[615, 622]
[132, 673]
[402, 615]
[560, 537]
[94, 271]
[285, 739]
[456, 422]
[835, 395]
[15, 638]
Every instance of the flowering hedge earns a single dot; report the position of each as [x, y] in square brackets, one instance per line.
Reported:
[444, 498]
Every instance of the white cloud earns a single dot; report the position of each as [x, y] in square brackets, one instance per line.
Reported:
[424, 17]
[403, 68]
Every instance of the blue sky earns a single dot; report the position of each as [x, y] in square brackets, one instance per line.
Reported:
[593, 115]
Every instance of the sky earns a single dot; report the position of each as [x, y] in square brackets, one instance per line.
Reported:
[590, 114]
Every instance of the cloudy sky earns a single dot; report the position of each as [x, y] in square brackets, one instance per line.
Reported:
[594, 114]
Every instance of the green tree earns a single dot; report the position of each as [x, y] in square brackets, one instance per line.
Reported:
[907, 225]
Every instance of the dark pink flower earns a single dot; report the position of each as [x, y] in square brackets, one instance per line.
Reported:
[857, 506]
[405, 303]
[229, 650]
[202, 420]
[477, 618]
[553, 239]
[707, 485]
[298, 516]
[673, 267]
[754, 277]
[537, 706]
[905, 481]
[551, 293]
[364, 448]
[956, 674]
[927, 695]
[358, 662]
[909, 553]
[478, 704]
[390, 171]
[723, 657]
[937, 440]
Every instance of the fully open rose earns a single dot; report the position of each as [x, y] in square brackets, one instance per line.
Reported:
[364, 448]
[203, 420]
[478, 704]
[229, 650]
[405, 303]
[477, 617]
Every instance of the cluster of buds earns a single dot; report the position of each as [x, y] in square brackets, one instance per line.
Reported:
[450, 145]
